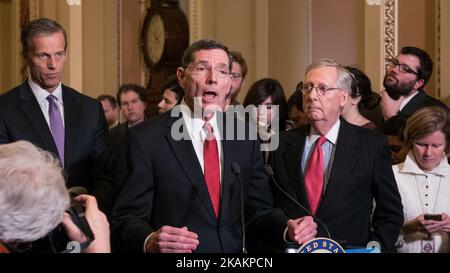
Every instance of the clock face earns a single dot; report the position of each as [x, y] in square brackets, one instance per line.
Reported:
[156, 39]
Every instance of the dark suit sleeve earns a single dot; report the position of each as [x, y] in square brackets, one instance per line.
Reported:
[388, 215]
[4, 138]
[132, 209]
[266, 224]
[103, 188]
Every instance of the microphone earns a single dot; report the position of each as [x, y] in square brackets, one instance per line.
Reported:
[237, 172]
[271, 174]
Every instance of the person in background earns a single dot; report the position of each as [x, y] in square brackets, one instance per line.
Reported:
[335, 169]
[405, 81]
[424, 182]
[361, 96]
[132, 99]
[239, 71]
[34, 198]
[264, 94]
[296, 117]
[393, 129]
[172, 94]
[110, 108]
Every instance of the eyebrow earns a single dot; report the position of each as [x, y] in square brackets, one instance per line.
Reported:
[207, 63]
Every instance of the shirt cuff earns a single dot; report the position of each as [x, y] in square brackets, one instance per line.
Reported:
[145, 242]
[285, 239]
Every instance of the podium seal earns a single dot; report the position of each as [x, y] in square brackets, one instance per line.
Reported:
[321, 245]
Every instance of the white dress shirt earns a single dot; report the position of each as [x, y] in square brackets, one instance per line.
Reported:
[41, 97]
[197, 134]
[423, 193]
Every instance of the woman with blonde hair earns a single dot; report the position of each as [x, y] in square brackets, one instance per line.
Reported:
[424, 182]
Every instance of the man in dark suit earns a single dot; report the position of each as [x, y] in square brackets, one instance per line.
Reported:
[404, 82]
[337, 180]
[183, 193]
[53, 116]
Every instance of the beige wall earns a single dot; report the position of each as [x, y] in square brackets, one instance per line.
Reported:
[270, 36]
[336, 35]
[373, 45]
[445, 52]
[416, 27]
[277, 38]
[10, 59]
[100, 44]
[5, 47]
[288, 42]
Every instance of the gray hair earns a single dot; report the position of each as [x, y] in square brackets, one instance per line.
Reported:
[344, 77]
[33, 195]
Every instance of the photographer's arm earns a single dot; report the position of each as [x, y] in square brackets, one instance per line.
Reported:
[98, 223]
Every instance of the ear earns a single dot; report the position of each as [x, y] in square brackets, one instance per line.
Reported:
[419, 84]
[343, 96]
[355, 100]
[181, 74]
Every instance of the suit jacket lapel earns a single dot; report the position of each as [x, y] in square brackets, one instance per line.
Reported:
[347, 144]
[33, 112]
[414, 102]
[294, 153]
[72, 123]
[187, 160]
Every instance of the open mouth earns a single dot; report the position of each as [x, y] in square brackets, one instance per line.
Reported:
[209, 95]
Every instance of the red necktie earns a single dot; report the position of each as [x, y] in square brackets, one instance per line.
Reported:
[314, 175]
[212, 169]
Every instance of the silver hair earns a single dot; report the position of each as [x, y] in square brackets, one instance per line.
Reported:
[33, 195]
[344, 77]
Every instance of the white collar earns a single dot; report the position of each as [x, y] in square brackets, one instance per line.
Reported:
[410, 166]
[42, 94]
[195, 125]
[331, 136]
[407, 99]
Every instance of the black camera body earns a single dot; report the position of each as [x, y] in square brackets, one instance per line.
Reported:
[57, 240]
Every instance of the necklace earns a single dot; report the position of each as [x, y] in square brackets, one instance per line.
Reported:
[420, 195]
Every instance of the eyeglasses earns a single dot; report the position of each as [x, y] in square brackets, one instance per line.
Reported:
[321, 89]
[235, 76]
[403, 68]
[202, 69]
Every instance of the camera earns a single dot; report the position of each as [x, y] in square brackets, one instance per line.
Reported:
[57, 240]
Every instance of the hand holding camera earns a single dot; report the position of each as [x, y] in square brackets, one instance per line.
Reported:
[97, 222]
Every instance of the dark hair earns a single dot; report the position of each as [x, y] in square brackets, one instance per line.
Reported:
[296, 99]
[132, 87]
[237, 57]
[172, 84]
[109, 98]
[205, 44]
[426, 64]
[265, 88]
[40, 26]
[361, 86]
[395, 125]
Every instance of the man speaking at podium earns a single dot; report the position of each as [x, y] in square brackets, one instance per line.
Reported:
[336, 170]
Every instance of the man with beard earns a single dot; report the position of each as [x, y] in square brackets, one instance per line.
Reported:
[404, 81]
